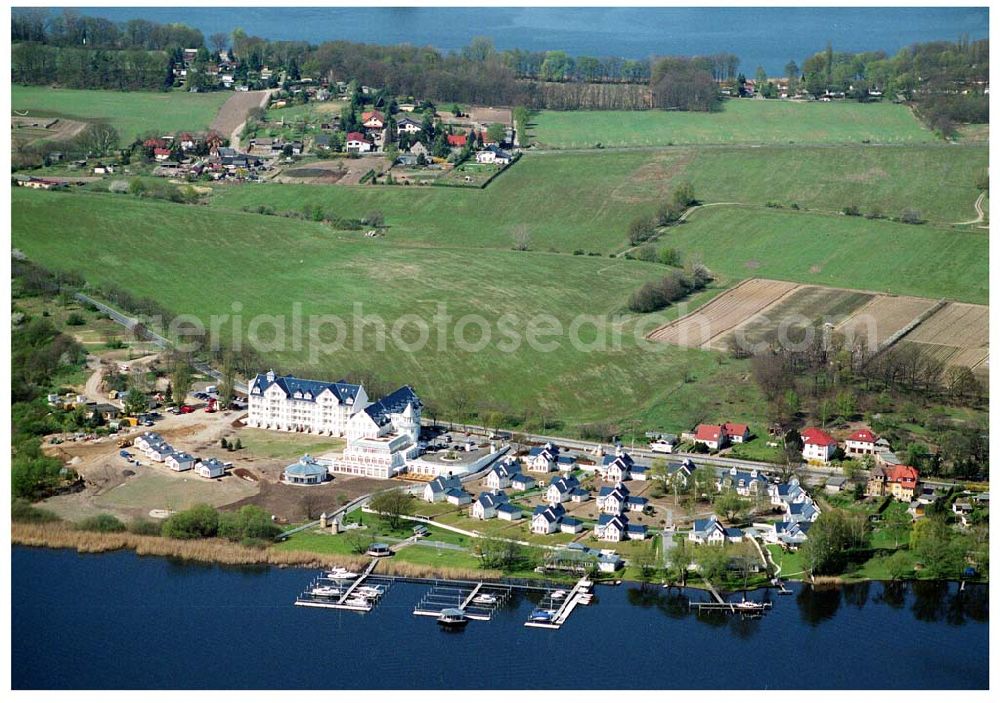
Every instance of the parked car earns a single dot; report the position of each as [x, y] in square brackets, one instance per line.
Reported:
[185, 409]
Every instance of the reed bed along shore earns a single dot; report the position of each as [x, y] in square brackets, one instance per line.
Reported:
[61, 536]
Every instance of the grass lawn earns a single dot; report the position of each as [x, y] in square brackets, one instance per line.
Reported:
[99, 235]
[848, 252]
[155, 488]
[790, 562]
[585, 200]
[757, 450]
[319, 541]
[739, 122]
[280, 445]
[131, 113]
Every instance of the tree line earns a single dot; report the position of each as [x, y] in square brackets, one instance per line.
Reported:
[71, 29]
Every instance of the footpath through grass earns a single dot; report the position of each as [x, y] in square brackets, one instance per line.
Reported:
[739, 122]
[131, 113]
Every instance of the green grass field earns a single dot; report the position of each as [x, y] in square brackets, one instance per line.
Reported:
[848, 252]
[160, 249]
[739, 122]
[132, 114]
[585, 200]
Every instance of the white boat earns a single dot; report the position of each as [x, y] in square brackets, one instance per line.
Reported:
[358, 601]
[558, 595]
[327, 591]
[541, 615]
[749, 606]
[341, 574]
[371, 591]
[484, 599]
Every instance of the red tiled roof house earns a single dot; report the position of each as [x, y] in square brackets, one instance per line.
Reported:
[861, 443]
[817, 445]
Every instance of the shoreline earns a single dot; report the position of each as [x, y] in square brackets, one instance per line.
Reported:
[225, 553]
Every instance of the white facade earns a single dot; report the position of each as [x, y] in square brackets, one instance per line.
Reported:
[291, 404]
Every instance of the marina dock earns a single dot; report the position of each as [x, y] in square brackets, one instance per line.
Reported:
[745, 607]
[310, 599]
[445, 595]
[579, 595]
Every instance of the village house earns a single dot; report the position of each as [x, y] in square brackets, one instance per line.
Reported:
[791, 534]
[187, 141]
[485, 506]
[560, 488]
[210, 468]
[579, 495]
[159, 452]
[501, 474]
[547, 458]
[680, 472]
[745, 483]
[570, 525]
[806, 511]
[435, 490]
[545, 519]
[180, 461]
[861, 443]
[418, 150]
[457, 141]
[161, 154]
[408, 126]
[707, 531]
[835, 484]
[611, 528]
[146, 440]
[373, 119]
[493, 155]
[358, 143]
[611, 500]
[898, 481]
[817, 446]
[784, 494]
[305, 472]
[720, 436]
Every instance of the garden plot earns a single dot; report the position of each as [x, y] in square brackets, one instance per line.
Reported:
[957, 334]
[883, 318]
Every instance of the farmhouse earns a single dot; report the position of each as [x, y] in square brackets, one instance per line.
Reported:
[358, 143]
[305, 472]
[817, 445]
[493, 155]
[720, 436]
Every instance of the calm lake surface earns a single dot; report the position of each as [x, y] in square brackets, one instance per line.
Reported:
[766, 37]
[117, 620]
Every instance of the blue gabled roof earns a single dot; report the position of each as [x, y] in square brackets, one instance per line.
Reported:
[395, 402]
[508, 508]
[521, 478]
[442, 483]
[734, 532]
[456, 493]
[580, 492]
[620, 520]
[291, 385]
[636, 500]
[571, 521]
[637, 528]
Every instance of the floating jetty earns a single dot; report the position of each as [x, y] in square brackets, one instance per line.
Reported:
[552, 613]
[361, 595]
[745, 607]
[477, 600]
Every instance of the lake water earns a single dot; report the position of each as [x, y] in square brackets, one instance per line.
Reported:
[766, 37]
[117, 620]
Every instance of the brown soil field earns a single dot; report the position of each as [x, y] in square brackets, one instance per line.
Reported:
[234, 111]
[33, 129]
[881, 318]
[314, 173]
[489, 115]
[723, 313]
[956, 325]
[806, 306]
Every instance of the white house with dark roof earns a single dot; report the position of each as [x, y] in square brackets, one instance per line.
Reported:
[434, 491]
[210, 468]
[560, 488]
[508, 511]
[543, 459]
[612, 528]
[179, 461]
[611, 500]
[520, 482]
[291, 404]
[708, 531]
[570, 525]
[545, 519]
[485, 506]
[745, 483]
[457, 496]
[501, 474]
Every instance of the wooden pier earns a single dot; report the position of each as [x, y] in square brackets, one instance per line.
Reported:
[579, 595]
[748, 608]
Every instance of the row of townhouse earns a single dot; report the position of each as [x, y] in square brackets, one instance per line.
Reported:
[157, 449]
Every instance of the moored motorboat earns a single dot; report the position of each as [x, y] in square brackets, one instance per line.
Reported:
[341, 574]
[484, 599]
[558, 595]
[326, 591]
[541, 615]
